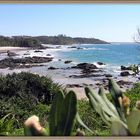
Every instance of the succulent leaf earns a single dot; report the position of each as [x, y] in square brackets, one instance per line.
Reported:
[108, 103]
[79, 120]
[116, 95]
[133, 121]
[56, 113]
[69, 111]
[117, 128]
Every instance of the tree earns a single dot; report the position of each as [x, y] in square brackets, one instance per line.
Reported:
[137, 36]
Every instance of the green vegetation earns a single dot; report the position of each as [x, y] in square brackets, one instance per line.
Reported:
[65, 40]
[91, 119]
[35, 42]
[134, 94]
[20, 41]
[24, 95]
[117, 116]
[61, 119]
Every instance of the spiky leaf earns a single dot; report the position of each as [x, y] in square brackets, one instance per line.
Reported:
[116, 93]
[108, 103]
[69, 111]
[56, 114]
[79, 120]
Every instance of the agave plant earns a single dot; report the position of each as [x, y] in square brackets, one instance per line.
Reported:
[61, 120]
[117, 115]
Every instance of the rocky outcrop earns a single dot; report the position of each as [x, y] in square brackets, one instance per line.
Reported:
[36, 51]
[85, 66]
[73, 85]
[125, 73]
[88, 71]
[86, 75]
[10, 54]
[15, 63]
[100, 63]
[52, 68]
[79, 48]
[122, 82]
[72, 47]
[48, 54]
[67, 61]
[108, 75]
[126, 68]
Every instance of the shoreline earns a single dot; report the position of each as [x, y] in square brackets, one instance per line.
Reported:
[63, 75]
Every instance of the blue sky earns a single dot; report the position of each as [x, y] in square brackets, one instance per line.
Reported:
[109, 22]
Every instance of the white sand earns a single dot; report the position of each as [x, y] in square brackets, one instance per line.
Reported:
[10, 48]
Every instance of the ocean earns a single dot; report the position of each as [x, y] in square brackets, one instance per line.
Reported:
[113, 54]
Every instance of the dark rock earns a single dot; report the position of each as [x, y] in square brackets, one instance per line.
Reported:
[85, 66]
[100, 63]
[79, 48]
[59, 59]
[88, 71]
[36, 51]
[121, 82]
[73, 85]
[52, 68]
[126, 68]
[125, 73]
[68, 61]
[108, 75]
[72, 47]
[9, 53]
[68, 68]
[48, 54]
[36, 59]
[13, 63]
[85, 75]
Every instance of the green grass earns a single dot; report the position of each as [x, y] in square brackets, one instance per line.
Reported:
[92, 119]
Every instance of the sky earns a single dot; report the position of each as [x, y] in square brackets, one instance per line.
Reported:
[109, 22]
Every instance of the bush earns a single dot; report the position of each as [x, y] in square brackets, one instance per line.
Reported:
[26, 94]
[134, 94]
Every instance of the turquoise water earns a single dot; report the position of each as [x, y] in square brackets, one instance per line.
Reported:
[112, 54]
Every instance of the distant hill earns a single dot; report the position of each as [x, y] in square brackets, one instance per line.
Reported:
[65, 40]
[30, 41]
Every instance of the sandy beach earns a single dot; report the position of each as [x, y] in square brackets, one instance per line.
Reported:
[4, 49]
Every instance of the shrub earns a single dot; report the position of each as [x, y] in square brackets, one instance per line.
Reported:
[24, 93]
[133, 94]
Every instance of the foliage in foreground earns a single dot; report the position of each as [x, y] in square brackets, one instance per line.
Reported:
[62, 116]
[52, 120]
[118, 117]
[24, 94]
